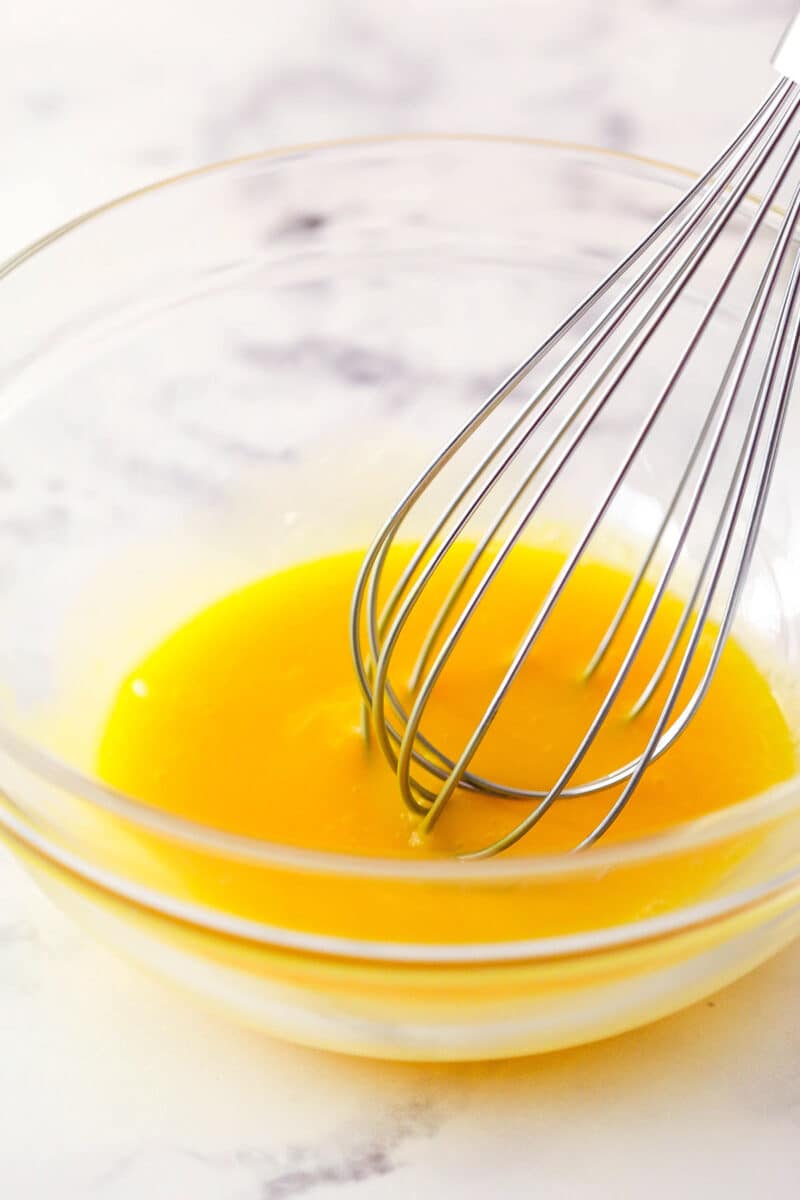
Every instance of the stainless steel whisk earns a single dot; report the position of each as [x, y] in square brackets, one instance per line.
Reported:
[574, 394]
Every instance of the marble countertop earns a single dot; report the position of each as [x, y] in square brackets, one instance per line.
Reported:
[112, 1086]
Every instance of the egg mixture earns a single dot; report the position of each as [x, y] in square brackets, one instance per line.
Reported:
[248, 719]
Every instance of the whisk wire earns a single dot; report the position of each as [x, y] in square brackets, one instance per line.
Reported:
[605, 325]
[666, 259]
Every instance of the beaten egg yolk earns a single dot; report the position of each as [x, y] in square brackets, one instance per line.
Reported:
[248, 719]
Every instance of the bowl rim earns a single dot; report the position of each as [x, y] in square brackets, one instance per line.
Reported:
[629, 935]
[734, 819]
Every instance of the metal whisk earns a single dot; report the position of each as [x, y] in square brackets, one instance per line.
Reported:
[620, 317]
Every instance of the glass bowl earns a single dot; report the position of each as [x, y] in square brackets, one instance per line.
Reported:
[240, 368]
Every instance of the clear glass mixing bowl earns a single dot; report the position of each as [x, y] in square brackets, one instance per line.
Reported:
[242, 367]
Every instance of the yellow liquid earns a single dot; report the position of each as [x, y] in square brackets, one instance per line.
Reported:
[247, 719]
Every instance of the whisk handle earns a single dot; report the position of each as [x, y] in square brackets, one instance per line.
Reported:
[786, 58]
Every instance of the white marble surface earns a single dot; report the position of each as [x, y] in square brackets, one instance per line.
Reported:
[111, 1086]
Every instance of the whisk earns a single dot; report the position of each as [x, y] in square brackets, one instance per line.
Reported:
[506, 489]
